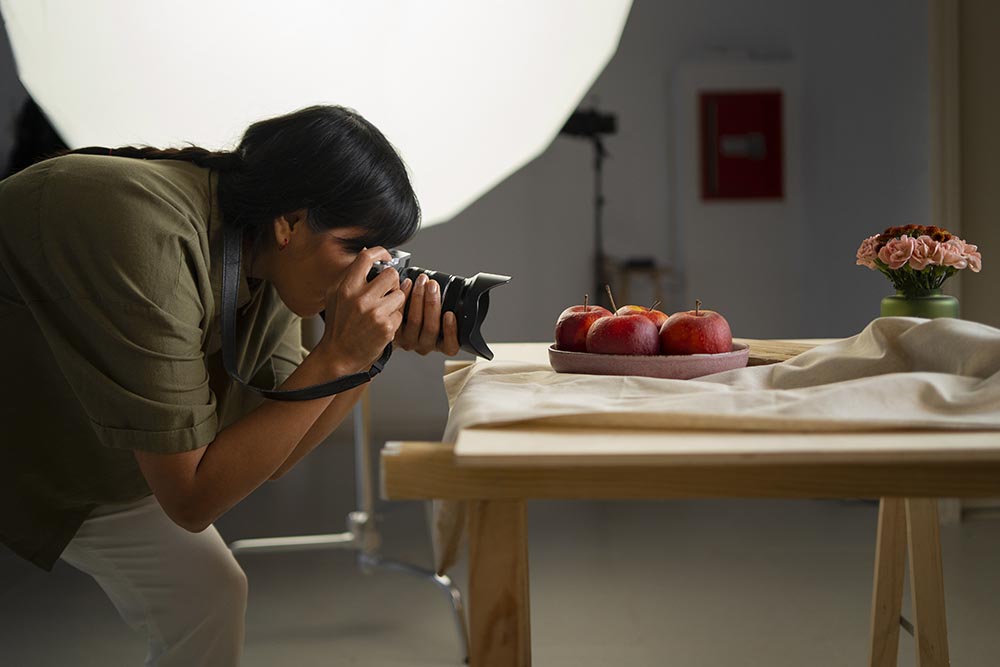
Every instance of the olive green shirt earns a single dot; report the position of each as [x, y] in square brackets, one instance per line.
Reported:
[110, 295]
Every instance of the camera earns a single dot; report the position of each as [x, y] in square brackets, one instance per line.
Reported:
[468, 298]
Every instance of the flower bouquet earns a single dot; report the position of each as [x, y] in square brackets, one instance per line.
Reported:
[917, 259]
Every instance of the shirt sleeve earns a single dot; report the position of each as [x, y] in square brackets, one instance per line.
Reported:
[123, 312]
[138, 372]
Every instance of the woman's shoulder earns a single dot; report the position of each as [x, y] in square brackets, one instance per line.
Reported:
[99, 224]
[164, 193]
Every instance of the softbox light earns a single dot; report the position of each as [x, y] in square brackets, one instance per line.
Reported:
[468, 91]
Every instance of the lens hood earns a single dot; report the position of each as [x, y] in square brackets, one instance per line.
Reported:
[469, 299]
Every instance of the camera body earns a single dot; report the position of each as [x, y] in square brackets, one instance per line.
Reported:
[400, 261]
[468, 298]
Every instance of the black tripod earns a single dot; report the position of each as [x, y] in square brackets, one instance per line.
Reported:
[592, 124]
[600, 263]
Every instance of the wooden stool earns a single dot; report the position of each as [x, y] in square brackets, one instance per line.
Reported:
[640, 268]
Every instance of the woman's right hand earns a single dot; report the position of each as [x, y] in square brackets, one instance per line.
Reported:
[362, 317]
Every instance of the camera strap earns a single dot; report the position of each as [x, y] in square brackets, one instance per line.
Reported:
[232, 256]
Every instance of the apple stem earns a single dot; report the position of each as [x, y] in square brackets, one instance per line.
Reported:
[655, 304]
[697, 306]
[614, 308]
[586, 302]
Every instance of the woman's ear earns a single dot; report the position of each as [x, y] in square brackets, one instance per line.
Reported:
[285, 224]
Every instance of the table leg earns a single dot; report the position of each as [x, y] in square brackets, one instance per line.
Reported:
[927, 582]
[887, 593]
[499, 619]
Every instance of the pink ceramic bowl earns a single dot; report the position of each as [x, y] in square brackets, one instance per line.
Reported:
[673, 366]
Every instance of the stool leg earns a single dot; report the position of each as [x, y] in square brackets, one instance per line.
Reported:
[887, 593]
[927, 582]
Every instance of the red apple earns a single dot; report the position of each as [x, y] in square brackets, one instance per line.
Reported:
[696, 332]
[657, 317]
[623, 334]
[574, 323]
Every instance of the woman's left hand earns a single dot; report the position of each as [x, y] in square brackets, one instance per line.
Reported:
[425, 330]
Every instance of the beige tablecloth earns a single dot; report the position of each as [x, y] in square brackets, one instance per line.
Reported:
[898, 373]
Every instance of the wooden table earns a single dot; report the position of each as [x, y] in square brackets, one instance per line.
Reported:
[498, 469]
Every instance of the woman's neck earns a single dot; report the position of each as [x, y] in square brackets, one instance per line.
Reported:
[257, 265]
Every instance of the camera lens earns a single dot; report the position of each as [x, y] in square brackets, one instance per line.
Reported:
[468, 298]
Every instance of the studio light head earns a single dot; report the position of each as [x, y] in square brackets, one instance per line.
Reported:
[590, 123]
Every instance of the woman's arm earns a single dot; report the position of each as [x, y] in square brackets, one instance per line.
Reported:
[422, 332]
[322, 428]
[196, 487]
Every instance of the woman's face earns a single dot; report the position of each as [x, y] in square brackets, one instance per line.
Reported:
[304, 265]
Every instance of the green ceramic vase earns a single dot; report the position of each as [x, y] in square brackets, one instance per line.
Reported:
[933, 304]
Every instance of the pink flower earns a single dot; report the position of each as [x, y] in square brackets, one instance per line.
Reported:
[866, 253]
[975, 258]
[926, 252]
[955, 253]
[897, 252]
[917, 259]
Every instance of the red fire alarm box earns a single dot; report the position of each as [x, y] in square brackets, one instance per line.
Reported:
[741, 145]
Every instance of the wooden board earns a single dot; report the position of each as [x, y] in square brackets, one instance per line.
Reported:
[764, 352]
[535, 445]
[422, 470]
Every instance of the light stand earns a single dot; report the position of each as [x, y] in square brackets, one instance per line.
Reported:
[592, 124]
[362, 530]
[600, 263]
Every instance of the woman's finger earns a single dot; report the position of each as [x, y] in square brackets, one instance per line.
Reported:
[387, 318]
[432, 319]
[398, 340]
[357, 272]
[390, 304]
[384, 283]
[449, 341]
[415, 314]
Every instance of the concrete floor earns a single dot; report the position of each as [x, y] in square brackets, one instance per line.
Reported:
[699, 583]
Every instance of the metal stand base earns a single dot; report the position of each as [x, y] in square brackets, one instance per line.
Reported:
[362, 534]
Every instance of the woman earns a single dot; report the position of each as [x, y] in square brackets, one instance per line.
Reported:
[124, 437]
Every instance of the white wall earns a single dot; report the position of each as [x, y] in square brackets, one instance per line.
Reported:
[980, 145]
[864, 149]
[724, 237]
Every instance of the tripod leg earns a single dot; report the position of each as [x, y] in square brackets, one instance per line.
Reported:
[362, 534]
[293, 543]
[372, 562]
[367, 533]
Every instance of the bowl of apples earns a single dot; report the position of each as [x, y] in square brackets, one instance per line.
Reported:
[635, 340]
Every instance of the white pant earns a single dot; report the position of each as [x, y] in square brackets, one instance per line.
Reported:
[184, 591]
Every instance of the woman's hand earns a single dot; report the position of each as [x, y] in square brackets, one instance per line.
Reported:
[362, 317]
[423, 330]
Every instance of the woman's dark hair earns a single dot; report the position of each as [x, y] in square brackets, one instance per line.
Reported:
[327, 159]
